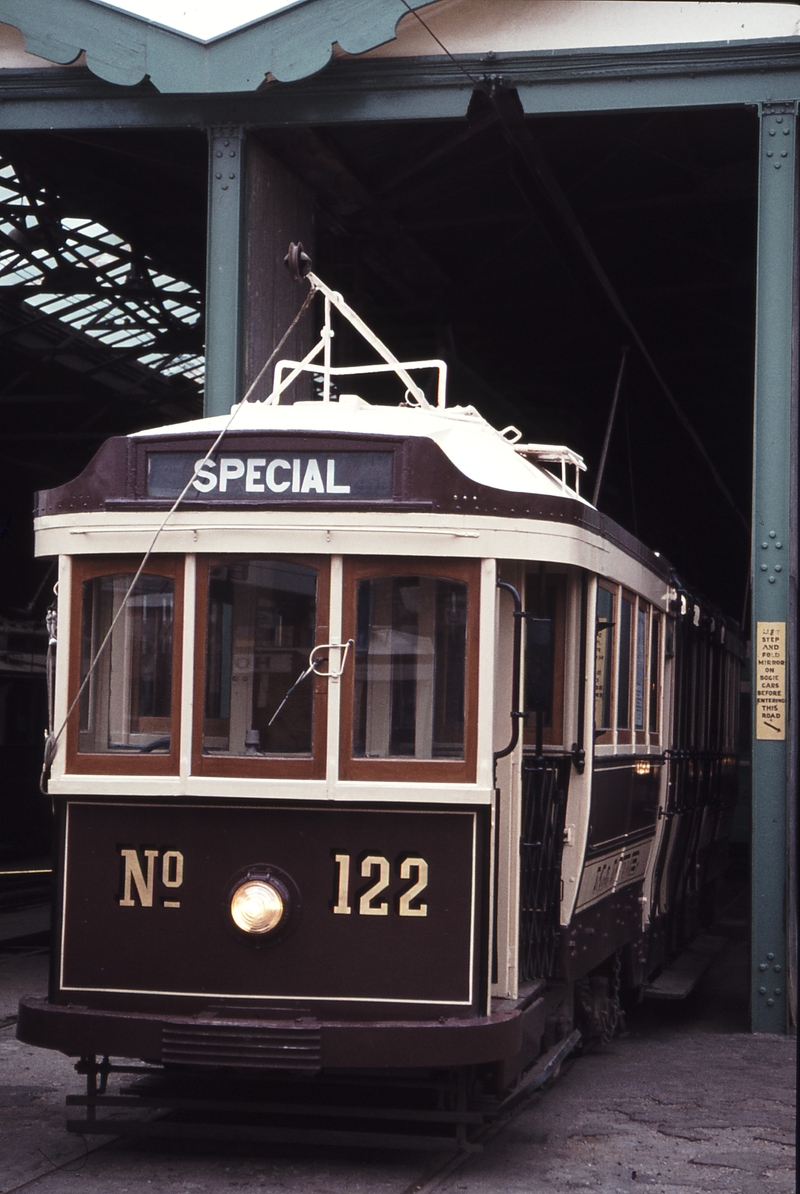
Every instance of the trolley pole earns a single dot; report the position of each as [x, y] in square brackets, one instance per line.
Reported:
[774, 579]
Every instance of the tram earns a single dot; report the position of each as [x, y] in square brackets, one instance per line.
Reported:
[383, 750]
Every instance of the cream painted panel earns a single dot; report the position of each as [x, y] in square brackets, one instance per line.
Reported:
[334, 684]
[486, 668]
[117, 785]
[270, 789]
[187, 665]
[413, 793]
[576, 820]
[516, 26]
[507, 822]
[379, 534]
[62, 669]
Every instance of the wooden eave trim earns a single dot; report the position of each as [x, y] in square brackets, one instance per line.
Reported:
[123, 48]
[364, 90]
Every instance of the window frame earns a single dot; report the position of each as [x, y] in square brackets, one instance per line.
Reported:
[311, 766]
[77, 762]
[400, 768]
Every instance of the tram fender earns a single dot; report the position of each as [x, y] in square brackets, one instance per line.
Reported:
[82, 1031]
[450, 1042]
[79, 1031]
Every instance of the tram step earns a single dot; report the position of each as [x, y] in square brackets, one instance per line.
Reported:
[681, 978]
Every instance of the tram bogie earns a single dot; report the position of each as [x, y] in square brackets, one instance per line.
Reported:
[392, 754]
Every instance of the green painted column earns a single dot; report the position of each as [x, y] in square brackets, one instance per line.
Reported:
[773, 631]
[225, 270]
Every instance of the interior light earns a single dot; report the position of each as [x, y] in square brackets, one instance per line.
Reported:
[257, 906]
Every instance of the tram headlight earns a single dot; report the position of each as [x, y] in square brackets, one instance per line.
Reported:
[259, 906]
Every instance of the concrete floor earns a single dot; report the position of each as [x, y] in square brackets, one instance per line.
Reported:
[687, 1102]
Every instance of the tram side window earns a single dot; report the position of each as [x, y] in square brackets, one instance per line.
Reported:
[127, 704]
[624, 671]
[639, 689]
[546, 597]
[654, 707]
[410, 668]
[261, 626]
[603, 659]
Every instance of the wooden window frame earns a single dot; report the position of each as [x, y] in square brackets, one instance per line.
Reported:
[401, 768]
[86, 568]
[311, 766]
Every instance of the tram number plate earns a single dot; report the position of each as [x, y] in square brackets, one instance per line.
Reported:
[375, 866]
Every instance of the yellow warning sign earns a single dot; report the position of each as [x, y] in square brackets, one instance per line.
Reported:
[770, 661]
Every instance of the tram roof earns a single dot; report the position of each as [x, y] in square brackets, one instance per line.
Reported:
[472, 445]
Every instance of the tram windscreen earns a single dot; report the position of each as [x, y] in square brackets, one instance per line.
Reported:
[127, 704]
[410, 668]
[261, 627]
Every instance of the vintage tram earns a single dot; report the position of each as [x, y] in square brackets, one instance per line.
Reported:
[397, 755]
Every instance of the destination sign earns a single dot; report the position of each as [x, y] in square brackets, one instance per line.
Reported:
[270, 476]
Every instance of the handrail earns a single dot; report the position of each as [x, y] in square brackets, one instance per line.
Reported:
[516, 714]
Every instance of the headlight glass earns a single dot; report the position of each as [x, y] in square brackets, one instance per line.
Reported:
[257, 907]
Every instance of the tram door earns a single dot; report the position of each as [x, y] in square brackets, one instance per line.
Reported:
[532, 780]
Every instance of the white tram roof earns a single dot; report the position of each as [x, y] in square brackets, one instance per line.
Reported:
[474, 447]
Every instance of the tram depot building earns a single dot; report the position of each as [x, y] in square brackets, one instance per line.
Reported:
[574, 205]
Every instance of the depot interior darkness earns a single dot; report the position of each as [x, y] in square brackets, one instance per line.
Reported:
[445, 240]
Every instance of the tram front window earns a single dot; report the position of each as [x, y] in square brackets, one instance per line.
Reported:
[127, 704]
[261, 626]
[411, 636]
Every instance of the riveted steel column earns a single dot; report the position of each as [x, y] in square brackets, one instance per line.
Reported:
[224, 270]
[772, 535]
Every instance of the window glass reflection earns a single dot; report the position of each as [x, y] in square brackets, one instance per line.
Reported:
[603, 658]
[261, 627]
[655, 654]
[641, 643]
[127, 704]
[410, 668]
[624, 677]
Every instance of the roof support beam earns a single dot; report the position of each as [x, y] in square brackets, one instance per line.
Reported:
[256, 207]
[279, 209]
[430, 88]
[774, 578]
[225, 270]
